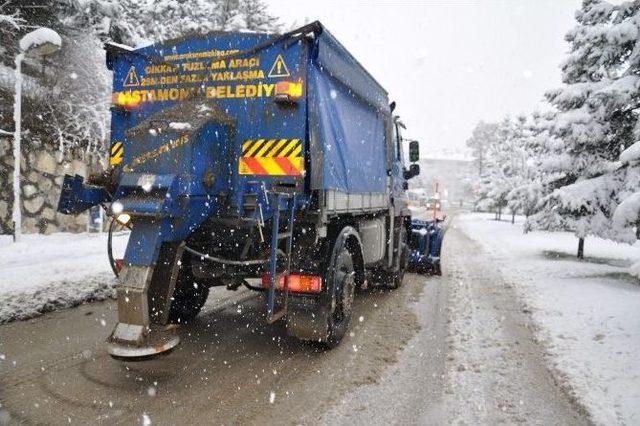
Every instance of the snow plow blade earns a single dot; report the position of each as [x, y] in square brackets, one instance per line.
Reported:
[425, 244]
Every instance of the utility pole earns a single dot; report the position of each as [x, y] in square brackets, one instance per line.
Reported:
[436, 200]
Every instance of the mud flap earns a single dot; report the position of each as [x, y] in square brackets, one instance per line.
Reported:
[308, 319]
[144, 300]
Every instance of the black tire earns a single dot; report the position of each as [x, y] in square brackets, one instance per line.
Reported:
[394, 279]
[340, 277]
[436, 269]
[189, 296]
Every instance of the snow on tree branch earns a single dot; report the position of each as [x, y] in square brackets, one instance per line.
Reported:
[12, 20]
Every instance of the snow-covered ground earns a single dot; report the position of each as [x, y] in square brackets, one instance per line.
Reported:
[587, 312]
[42, 273]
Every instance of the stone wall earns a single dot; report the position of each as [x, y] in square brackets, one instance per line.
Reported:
[42, 172]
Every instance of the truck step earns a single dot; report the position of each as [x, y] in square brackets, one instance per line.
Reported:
[277, 315]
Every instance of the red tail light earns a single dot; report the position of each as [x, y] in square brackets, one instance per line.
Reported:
[119, 264]
[297, 283]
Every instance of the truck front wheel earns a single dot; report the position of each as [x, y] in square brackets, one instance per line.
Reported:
[394, 278]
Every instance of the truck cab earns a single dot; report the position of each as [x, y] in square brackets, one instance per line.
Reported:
[399, 171]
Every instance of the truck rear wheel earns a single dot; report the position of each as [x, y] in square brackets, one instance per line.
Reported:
[325, 318]
[340, 278]
[189, 296]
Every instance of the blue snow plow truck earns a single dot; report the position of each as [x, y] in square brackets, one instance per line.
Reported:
[268, 161]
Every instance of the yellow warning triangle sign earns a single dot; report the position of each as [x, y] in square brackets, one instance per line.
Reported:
[279, 68]
[132, 78]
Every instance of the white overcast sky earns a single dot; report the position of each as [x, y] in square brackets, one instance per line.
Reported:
[451, 63]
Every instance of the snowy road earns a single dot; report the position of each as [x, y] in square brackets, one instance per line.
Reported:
[439, 350]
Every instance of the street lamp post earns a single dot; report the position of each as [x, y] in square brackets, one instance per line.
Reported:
[16, 214]
[40, 42]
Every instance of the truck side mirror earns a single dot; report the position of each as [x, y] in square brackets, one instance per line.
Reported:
[414, 170]
[414, 151]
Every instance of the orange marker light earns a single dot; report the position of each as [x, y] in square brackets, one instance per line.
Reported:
[297, 283]
[127, 100]
[288, 91]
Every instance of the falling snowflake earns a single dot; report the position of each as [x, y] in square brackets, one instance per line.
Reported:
[421, 56]
[147, 186]
[272, 397]
[146, 421]
[117, 207]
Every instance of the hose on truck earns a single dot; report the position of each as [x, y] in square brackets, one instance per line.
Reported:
[226, 261]
[112, 261]
[205, 256]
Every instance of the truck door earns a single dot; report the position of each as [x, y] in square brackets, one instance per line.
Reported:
[397, 167]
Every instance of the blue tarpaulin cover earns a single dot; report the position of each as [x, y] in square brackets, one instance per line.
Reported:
[340, 120]
[347, 113]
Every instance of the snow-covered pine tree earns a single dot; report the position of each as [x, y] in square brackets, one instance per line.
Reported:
[511, 159]
[256, 17]
[77, 117]
[519, 183]
[595, 120]
[483, 135]
[500, 162]
[482, 142]
[66, 96]
[542, 152]
[524, 179]
[626, 218]
[139, 22]
[10, 24]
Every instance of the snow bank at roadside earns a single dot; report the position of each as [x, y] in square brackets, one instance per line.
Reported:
[44, 273]
[588, 312]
